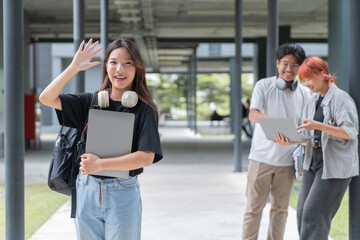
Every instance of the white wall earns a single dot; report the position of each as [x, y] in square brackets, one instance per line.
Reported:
[60, 58]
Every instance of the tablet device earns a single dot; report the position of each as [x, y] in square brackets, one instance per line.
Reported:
[109, 134]
[283, 126]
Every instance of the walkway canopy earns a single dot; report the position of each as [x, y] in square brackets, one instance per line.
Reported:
[167, 31]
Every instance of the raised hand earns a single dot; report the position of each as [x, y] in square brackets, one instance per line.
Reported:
[84, 55]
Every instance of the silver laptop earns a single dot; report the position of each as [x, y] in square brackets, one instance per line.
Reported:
[283, 126]
[110, 134]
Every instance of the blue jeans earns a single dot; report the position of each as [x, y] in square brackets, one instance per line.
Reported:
[108, 209]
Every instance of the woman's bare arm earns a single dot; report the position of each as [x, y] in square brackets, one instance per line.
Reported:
[91, 163]
[80, 62]
[310, 124]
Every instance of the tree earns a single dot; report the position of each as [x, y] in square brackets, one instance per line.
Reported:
[213, 88]
[170, 91]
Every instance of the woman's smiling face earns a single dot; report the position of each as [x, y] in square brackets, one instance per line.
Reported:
[316, 83]
[121, 69]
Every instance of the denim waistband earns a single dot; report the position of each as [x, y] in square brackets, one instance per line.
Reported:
[102, 177]
[106, 179]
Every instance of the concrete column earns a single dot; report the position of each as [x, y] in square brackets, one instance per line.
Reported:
[272, 42]
[28, 88]
[237, 88]
[232, 93]
[188, 95]
[194, 92]
[338, 38]
[260, 59]
[104, 26]
[284, 34]
[354, 88]
[191, 93]
[13, 13]
[1, 40]
[78, 16]
[1, 37]
[1, 84]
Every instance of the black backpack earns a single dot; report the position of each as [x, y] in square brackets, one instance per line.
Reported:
[65, 162]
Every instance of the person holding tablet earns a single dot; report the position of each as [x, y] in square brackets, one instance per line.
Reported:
[109, 206]
[271, 168]
[331, 159]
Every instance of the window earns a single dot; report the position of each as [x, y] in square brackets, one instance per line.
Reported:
[214, 49]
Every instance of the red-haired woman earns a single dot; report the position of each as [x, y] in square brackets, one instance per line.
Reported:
[109, 206]
[331, 158]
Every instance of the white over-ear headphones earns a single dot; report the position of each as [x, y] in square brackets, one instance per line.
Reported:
[129, 99]
[103, 99]
[282, 84]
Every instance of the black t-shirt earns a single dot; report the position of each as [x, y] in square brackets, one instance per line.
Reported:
[75, 110]
[319, 116]
[317, 157]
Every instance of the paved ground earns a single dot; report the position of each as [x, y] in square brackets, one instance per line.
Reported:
[192, 194]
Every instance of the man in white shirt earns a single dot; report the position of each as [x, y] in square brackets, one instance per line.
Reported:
[270, 164]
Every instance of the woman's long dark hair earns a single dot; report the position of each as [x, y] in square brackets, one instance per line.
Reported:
[139, 84]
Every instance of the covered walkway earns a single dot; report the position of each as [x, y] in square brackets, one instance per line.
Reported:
[192, 193]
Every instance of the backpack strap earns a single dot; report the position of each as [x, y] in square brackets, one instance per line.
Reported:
[94, 101]
[76, 160]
